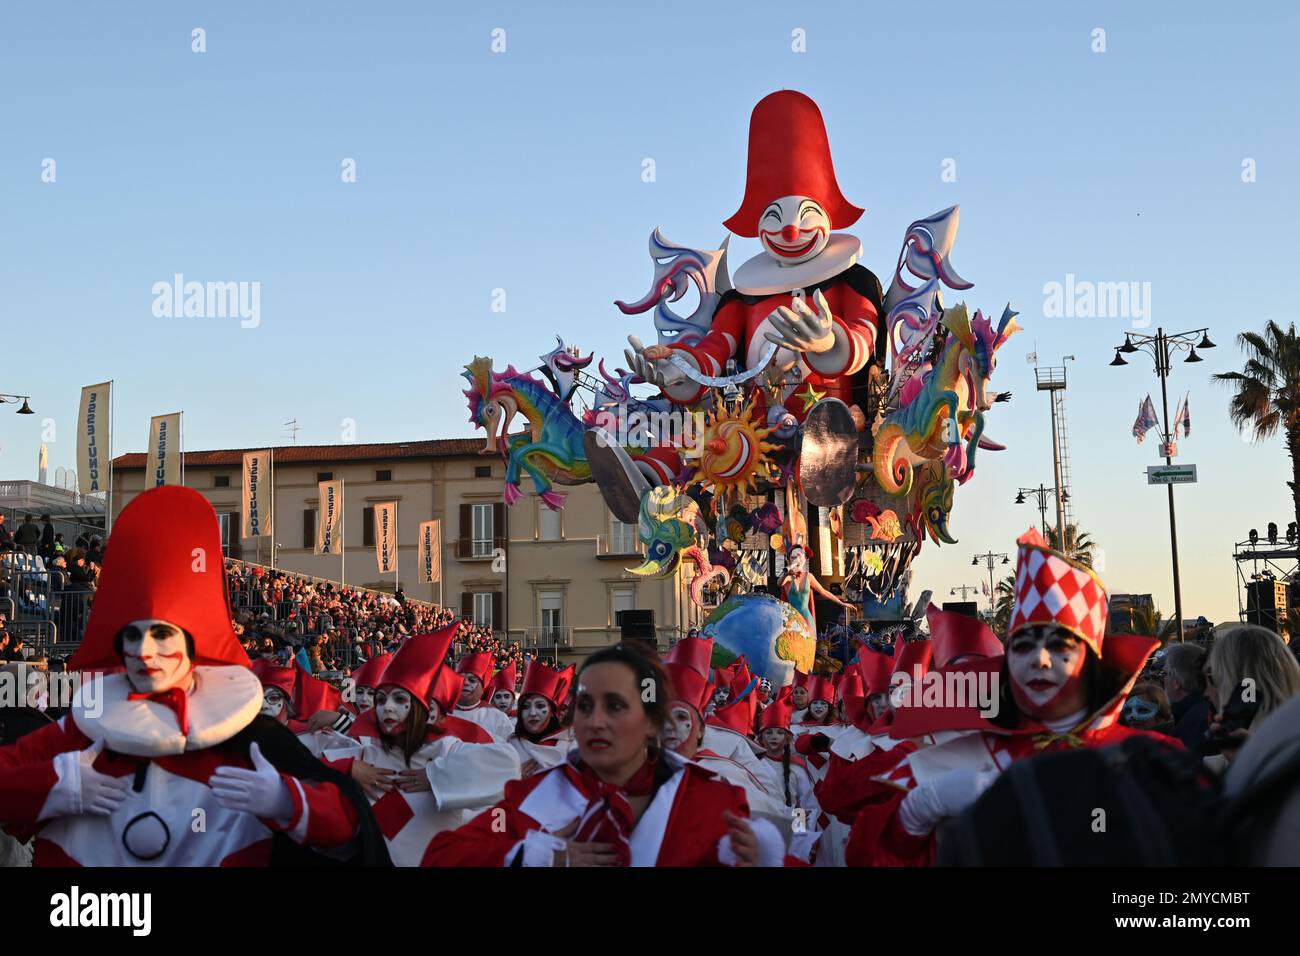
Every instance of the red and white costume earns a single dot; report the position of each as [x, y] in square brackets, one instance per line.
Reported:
[466, 769]
[483, 713]
[792, 785]
[553, 749]
[164, 564]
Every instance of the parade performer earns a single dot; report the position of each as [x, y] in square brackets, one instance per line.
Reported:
[166, 728]
[621, 800]
[799, 584]
[474, 704]
[422, 767]
[501, 691]
[364, 681]
[789, 777]
[1062, 685]
[539, 738]
[805, 293]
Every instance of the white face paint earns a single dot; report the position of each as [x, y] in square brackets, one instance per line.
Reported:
[819, 709]
[877, 706]
[502, 699]
[679, 727]
[1046, 664]
[798, 561]
[536, 712]
[471, 692]
[773, 740]
[365, 698]
[392, 709]
[799, 697]
[155, 656]
[793, 229]
[273, 701]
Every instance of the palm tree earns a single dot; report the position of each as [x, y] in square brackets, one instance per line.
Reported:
[1267, 396]
[1004, 603]
[1146, 620]
[1078, 544]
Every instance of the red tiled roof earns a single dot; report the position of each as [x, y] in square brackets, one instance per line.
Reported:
[285, 454]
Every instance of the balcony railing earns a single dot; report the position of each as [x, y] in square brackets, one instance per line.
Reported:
[548, 636]
[619, 546]
[478, 549]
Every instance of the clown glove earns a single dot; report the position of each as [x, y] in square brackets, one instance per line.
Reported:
[945, 796]
[260, 791]
[81, 788]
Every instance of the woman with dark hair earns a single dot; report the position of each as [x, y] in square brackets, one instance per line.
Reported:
[540, 738]
[620, 800]
[422, 767]
[1062, 685]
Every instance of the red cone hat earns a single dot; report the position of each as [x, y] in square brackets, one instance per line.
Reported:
[417, 663]
[776, 714]
[371, 672]
[311, 694]
[696, 652]
[273, 675]
[504, 679]
[689, 685]
[480, 665]
[789, 155]
[545, 682]
[959, 635]
[163, 563]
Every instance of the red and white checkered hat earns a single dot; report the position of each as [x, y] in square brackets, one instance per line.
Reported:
[1053, 589]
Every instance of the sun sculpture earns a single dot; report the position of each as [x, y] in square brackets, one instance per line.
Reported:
[731, 456]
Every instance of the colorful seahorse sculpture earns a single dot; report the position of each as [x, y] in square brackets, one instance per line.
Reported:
[670, 525]
[945, 420]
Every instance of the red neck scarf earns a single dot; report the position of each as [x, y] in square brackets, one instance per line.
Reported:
[609, 817]
[175, 698]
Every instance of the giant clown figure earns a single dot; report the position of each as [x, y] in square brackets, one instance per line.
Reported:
[804, 295]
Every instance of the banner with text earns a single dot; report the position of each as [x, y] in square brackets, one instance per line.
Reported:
[257, 494]
[329, 530]
[386, 537]
[93, 452]
[430, 551]
[164, 464]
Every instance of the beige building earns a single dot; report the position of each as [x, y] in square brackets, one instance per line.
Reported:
[551, 580]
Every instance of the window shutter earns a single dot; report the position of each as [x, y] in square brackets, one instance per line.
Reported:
[236, 546]
[498, 523]
[498, 623]
[309, 528]
[368, 526]
[467, 605]
[466, 529]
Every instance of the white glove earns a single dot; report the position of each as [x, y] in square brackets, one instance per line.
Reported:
[801, 327]
[82, 788]
[259, 791]
[945, 796]
[660, 372]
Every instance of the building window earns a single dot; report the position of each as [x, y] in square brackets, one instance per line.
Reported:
[622, 538]
[368, 526]
[482, 471]
[384, 475]
[221, 481]
[483, 609]
[324, 476]
[548, 523]
[309, 528]
[551, 611]
[621, 598]
[482, 531]
[223, 519]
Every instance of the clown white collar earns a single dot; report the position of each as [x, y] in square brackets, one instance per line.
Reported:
[763, 275]
[223, 701]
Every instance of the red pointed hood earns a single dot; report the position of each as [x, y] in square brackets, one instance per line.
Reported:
[875, 669]
[789, 155]
[545, 682]
[689, 685]
[479, 664]
[1054, 589]
[696, 652]
[311, 694]
[273, 675]
[959, 635]
[503, 679]
[420, 662]
[776, 714]
[163, 562]
[371, 672]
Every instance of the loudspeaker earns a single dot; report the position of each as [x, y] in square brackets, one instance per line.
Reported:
[969, 608]
[636, 623]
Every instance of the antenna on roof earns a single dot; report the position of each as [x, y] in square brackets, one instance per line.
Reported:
[292, 425]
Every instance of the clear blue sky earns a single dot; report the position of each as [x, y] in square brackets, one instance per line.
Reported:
[522, 171]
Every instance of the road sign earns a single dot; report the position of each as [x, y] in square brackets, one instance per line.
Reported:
[1171, 474]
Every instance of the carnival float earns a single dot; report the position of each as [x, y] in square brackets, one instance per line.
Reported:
[799, 422]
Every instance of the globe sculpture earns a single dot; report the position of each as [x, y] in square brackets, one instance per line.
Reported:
[774, 637]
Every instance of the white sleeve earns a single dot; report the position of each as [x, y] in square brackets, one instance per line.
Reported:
[539, 849]
[471, 775]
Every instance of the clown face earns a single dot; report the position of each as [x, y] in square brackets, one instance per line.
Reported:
[274, 704]
[720, 696]
[877, 706]
[819, 709]
[679, 732]
[155, 656]
[365, 698]
[799, 697]
[773, 740]
[1046, 667]
[471, 692]
[793, 229]
[392, 709]
[797, 563]
[535, 710]
[502, 700]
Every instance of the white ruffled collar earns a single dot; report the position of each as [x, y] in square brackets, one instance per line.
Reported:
[763, 275]
[223, 701]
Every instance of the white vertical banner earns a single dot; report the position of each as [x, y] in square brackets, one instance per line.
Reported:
[430, 551]
[164, 454]
[257, 494]
[329, 514]
[93, 452]
[386, 537]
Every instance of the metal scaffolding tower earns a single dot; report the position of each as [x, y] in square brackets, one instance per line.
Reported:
[1052, 380]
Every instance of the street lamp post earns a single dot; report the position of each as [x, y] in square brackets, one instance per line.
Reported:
[963, 588]
[1161, 347]
[990, 561]
[1041, 494]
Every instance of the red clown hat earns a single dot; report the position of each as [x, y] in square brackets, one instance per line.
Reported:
[479, 664]
[273, 675]
[1053, 589]
[800, 679]
[959, 635]
[696, 652]
[417, 664]
[875, 669]
[311, 694]
[911, 656]
[371, 672]
[820, 688]
[504, 679]
[789, 155]
[689, 685]
[545, 682]
[776, 714]
[163, 563]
